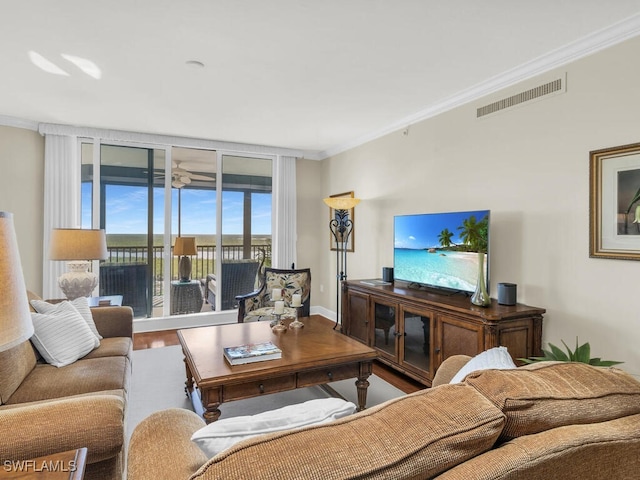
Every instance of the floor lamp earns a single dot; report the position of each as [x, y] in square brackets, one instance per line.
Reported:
[341, 227]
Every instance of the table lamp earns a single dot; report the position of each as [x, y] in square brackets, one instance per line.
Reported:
[15, 318]
[184, 246]
[78, 246]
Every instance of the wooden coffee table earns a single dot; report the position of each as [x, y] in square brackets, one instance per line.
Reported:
[312, 355]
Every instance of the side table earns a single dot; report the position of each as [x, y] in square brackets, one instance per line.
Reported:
[67, 465]
[106, 301]
[186, 297]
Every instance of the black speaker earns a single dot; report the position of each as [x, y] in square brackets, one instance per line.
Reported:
[507, 293]
[387, 274]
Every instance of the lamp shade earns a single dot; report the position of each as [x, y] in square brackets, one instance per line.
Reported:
[78, 244]
[341, 203]
[185, 246]
[15, 318]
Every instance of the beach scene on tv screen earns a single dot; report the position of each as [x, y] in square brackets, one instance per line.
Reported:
[437, 249]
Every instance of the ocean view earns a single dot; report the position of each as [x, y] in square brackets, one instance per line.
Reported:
[140, 240]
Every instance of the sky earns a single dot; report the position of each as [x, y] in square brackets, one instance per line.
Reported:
[422, 231]
[126, 211]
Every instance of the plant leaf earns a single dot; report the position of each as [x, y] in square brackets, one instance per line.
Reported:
[604, 363]
[583, 353]
[558, 354]
[570, 354]
[533, 359]
[547, 356]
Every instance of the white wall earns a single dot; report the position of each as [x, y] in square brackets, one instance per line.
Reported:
[530, 167]
[21, 193]
[309, 209]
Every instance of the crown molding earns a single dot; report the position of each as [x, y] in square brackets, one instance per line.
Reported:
[119, 135]
[159, 139]
[571, 52]
[18, 123]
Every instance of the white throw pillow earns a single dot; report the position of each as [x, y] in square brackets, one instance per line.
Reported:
[81, 304]
[496, 358]
[222, 434]
[62, 336]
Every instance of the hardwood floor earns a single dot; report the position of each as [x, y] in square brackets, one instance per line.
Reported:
[166, 338]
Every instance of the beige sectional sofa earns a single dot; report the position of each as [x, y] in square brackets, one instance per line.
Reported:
[549, 420]
[45, 409]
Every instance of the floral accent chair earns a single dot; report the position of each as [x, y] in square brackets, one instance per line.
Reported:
[259, 305]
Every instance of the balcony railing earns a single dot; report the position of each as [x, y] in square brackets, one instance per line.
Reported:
[202, 263]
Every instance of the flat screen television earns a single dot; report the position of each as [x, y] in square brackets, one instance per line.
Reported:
[439, 250]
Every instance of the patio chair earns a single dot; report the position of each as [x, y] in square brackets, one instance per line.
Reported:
[128, 280]
[258, 304]
[238, 276]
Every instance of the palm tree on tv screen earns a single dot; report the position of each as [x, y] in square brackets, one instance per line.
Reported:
[445, 237]
[475, 234]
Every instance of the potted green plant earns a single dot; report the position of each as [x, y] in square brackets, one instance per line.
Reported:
[581, 354]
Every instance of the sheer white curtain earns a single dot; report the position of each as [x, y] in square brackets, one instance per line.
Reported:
[284, 191]
[61, 201]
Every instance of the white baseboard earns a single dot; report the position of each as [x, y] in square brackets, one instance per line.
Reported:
[330, 314]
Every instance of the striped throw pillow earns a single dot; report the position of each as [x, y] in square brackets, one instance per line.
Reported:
[62, 336]
[81, 304]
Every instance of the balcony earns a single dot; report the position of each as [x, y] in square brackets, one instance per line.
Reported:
[125, 272]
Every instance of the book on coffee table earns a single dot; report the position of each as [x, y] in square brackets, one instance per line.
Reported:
[252, 352]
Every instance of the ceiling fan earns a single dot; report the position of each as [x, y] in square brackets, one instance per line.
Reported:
[181, 176]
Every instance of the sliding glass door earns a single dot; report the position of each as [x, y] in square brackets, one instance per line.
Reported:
[246, 199]
[246, 226]
[130, 203]
[193, 220]
[221, 203]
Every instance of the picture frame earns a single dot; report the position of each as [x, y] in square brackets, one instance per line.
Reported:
[614, 202]
[350, 241]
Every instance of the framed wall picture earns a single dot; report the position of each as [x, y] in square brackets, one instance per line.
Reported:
[614, 207]
[332, 215]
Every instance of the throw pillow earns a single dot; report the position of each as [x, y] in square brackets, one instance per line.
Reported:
[494, 358]
[62, 336]
[81, 304]
[222, 434]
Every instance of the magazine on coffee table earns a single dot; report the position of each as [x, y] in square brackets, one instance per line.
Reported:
[252, 352]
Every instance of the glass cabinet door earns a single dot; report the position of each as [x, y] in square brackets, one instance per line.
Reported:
[417, 340]
[385, 328]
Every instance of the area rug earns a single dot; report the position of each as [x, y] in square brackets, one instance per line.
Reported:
[159, 379]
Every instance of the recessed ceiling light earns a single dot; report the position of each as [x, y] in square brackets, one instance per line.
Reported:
[87, 66]
[44, 64]
[194, 64]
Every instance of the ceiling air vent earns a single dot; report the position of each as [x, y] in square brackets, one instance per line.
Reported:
[553, 87]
